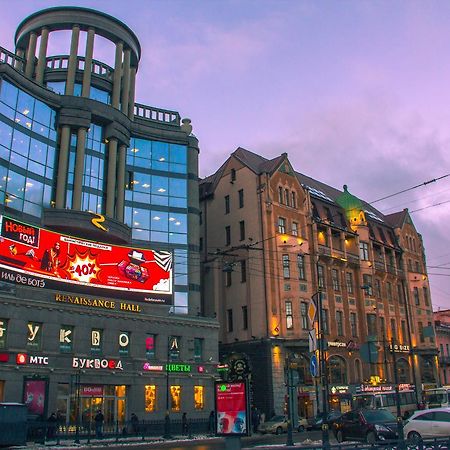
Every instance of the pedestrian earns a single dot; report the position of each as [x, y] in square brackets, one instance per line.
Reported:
[99, 418]
[256, 419]
[134, 423]
[212, 422]
[51, 426]
[184, 424]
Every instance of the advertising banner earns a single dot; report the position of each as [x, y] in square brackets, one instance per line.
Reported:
[37, 257]
[231, 408]
[34, 396]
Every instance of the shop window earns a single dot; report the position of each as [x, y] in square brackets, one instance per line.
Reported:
[34, 336]
[199, 400]
[3, 332]
[150, 398]
[175, 398]
[66, 338]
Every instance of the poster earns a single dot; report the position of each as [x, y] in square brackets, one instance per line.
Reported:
[41, 258]
[231, 408]
[34, 396]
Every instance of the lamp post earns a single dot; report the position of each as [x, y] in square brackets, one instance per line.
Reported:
[397, 397]
[76, 378]
[290, 383]
[167, 416]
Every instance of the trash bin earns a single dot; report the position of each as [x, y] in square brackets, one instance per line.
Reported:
[13, 424]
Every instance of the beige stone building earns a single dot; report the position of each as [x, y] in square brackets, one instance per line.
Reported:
[272, 240]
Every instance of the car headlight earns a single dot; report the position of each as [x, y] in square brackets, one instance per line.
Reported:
[381, 428]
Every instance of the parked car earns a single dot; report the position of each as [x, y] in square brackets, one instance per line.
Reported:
[316, 422]
[370, 425]
[428, 423]
[279, 424]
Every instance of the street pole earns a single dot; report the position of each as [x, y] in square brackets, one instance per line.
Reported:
[289, 441]
[397, 397]
[77, 407]
[167, 416]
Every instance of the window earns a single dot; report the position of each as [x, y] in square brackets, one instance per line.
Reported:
[389, 291]
[294, 200]
[150, 398]
[228, 278]
[339, 323]
[198, 349]
[227, 235]
[364, 251]
[367, 284]
[421, 336]
[175, 398]
[233, 175]
[199, 397]
[244, 318]
[301, 267]
[243, 271]
[321, 276]
[403, 326]
[335, 280]
[280, 195]
[418, 267]
[174, 348]
[425, 296]
[241, 198]
[242, 230]
[393, 330]
[281, 225]
[324, 317]
[230, 320]
[150, 341]
[448, 350]
[416, 296]
[124, 343]
[34, 336]
[304, 315]
[227, 204]
[287, 199]
[289, 321]
[4, 331]
[400, 294]
[430, 332]
[349, 282]
[371, 324]
[353, 325]
[294, 229]
[286, 268]
[96, 340]
[382, 327]
[377, 288]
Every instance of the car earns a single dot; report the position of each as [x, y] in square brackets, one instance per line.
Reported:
[279, 424]
[428, 423]
[316, 422]
[369, 425]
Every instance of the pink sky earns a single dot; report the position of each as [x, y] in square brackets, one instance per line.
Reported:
[356, 92]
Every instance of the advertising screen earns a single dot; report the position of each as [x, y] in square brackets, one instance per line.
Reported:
[34, 396]
[231, 408]
[37, 257]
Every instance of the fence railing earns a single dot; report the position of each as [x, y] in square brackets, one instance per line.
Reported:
[11, 59]
[156, 114]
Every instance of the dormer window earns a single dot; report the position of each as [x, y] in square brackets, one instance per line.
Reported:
[233, 175]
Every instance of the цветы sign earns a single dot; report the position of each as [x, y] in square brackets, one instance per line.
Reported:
[41, 258]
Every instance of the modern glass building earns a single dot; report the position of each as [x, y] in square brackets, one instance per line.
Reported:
[99, 256]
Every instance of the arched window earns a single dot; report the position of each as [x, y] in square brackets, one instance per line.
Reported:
[337, 370]
[403, 371]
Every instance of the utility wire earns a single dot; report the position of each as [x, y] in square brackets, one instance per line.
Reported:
[430, 206]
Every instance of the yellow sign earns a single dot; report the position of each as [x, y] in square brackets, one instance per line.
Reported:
[97, 222]
[97, 303]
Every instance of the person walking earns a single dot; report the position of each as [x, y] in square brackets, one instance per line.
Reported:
[51, 427]
[99, 419]
[184, 424]
[212, 423]
[134, 423]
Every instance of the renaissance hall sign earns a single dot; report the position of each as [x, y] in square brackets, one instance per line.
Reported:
[36, 257]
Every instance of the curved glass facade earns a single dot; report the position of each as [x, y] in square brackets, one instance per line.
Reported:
[27, 150]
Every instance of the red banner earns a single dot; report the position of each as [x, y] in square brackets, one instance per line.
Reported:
[92, 391]
[34, 396]
[37, 257]
[231, 408]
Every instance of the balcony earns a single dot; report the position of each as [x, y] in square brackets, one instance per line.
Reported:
[379, 265]
[352, 258]
[323, 250]
[11, 59]
[157, 114]
[61, 62]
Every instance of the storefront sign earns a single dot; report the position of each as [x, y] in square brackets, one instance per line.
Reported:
[399, 348]
[337, 344]
[41, 258]
[178, 367]
[97, 303]
[339, 389]
[97, 363]
[152, 368]
[4, 357]
[231, 408]
[370, 388]
[92, 391]
[24, 359]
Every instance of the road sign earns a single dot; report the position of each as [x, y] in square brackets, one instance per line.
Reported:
[312, 340]
[312, 310]
[314, 366]
[369, 352]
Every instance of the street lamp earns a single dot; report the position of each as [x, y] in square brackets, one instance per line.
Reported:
[291, 382]
[167, 434]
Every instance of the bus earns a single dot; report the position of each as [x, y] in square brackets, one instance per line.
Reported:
[436, 397]
[387, 400]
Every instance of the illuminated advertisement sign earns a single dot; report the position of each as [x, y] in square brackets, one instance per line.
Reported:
[34, 396]
[231, 408]
[41, 258]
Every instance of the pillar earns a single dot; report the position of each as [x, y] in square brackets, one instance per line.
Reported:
[18, 64]
[126, 80]
[73, 60]
[79, 169]
[62, 167]
[117, 75]
[86, 90]
[111, 180]
[121, 183]
[40, 69]
[132, 89]
[31, 54]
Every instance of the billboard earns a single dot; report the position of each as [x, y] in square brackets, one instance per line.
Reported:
[41, 258]
[231, 408]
